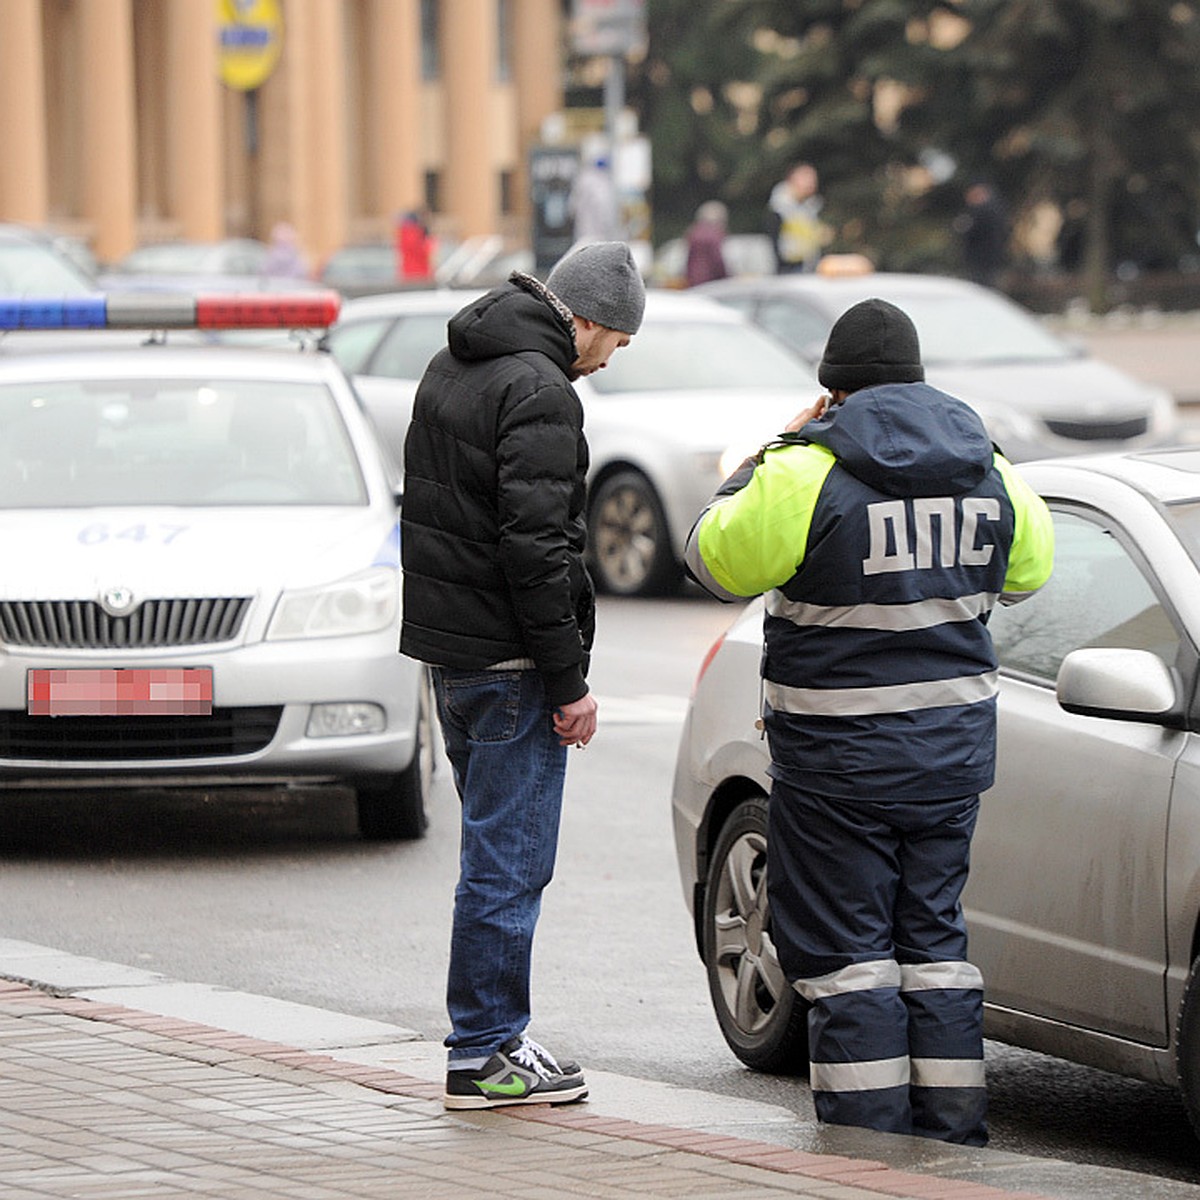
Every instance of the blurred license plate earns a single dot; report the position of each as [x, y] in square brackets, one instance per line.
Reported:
[120, 692]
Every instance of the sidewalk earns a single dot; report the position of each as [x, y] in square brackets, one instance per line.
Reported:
[118, 1083]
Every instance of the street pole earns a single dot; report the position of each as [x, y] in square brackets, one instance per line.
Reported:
[614, 104]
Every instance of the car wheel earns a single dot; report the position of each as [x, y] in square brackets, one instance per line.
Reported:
[628, 540]
[392, 808]
[1187, 1047]
[763, 1020]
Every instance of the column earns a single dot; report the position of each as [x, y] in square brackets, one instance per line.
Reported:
[537, 74]
[469, 62]
[106, 117]
[394, 104]
[23, 177]
[314, 46]
[107, 175]
[195, 174]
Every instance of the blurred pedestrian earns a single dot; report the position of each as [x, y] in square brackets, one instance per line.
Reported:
[593, 202]
[284, 257]
[498, 601]
[794, 223]
[882, 526]
[983, 229]
[705, 244]
[414, 247]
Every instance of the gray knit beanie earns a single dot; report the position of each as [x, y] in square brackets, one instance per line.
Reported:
[872, 342]
[601, 282]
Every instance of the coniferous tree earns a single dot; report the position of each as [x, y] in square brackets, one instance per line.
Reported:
[1090, 105]
[1095, 105]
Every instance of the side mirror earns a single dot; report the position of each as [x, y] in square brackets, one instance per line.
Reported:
[1123, 685]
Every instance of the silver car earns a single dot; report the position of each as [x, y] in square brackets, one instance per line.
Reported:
[667, 419]
[201, 575]
[1083, 904]
[36, 263]
[1037, 394]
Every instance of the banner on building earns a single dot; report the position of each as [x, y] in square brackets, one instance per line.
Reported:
[249, 40]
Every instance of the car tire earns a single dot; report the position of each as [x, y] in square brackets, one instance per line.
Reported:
[764, 1021]
[392, 808]
[1187, 1047]
[629, 544]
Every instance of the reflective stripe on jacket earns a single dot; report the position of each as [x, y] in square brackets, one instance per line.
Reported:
[883, 536]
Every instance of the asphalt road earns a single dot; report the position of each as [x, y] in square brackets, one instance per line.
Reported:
[274, 894]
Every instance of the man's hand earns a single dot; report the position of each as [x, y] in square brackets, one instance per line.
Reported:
[576, 722]
[810, 413]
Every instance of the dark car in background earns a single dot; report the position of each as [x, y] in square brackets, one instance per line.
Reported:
[226, 265]
[1038, 394]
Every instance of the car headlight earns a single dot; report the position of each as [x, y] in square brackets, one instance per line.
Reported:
[733, 457]
[361, 604]
[1164, 414]
[720, 464]
[1008, 426]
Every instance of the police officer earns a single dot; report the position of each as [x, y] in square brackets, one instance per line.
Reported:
[883, 527]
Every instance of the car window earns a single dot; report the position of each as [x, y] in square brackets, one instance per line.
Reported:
[1185, 520]
[700, 355]
[980, 329]
[746, 305]
[408, 346]
[27, 269]
[81, 444]
[245, 262]
[169, 258]
[351, 344]
[794, 324]
[355, 263]
[1098, 595]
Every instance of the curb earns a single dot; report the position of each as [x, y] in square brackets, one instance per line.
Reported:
[216, 1047]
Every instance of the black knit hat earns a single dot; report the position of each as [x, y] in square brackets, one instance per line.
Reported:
[873, 342]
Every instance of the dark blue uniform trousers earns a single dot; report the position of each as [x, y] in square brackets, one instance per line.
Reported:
[867, 921]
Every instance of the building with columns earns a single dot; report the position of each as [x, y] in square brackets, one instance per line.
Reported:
[131, 121]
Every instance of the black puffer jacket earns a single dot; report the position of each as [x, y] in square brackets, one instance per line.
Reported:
[492, 528]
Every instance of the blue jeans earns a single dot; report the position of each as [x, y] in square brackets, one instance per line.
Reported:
[509, 770]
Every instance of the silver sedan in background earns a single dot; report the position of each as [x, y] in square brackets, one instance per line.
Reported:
[696, 390]
[1037, 394]
[1083, 905]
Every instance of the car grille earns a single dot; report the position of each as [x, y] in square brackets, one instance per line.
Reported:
[224, 734]
[83, 624]
[1100, 431]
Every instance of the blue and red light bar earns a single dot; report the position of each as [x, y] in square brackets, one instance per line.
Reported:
[166, 310]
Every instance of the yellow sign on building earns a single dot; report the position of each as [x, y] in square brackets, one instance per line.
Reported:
[249, 39]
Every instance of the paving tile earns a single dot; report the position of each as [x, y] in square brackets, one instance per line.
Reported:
[102, 1102]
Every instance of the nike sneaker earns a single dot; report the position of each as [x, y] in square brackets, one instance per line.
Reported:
[515, 1074]
[555, 1066]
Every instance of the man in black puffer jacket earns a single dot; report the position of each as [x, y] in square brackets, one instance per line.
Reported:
[497, 600]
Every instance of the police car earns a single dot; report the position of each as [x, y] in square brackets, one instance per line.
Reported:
[201, 576]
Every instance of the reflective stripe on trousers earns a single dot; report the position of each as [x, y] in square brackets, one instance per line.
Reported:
[898, 1048]
[945, 1043]
[867, 922]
